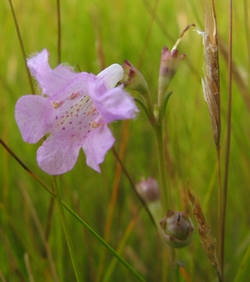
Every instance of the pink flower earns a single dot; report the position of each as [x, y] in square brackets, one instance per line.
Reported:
[75, 108]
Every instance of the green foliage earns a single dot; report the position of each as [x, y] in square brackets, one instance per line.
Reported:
[125, 29]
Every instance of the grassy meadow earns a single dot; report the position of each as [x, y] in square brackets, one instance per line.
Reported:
[95, 34]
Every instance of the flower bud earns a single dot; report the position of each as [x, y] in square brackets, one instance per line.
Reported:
[150, 193]
[177, 229]
[133, 79]
[168, 66]
[149, 190]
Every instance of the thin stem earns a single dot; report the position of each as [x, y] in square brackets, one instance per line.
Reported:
[66, 231]
[149, 106]
[113, 198]
[229, 108]
[41, 232]
[104, 243]
[59, 32]
[122, 244]
[165, 193]
[49, 218]
[22, 47]
[76, 216]
[220, 209]
[247, 32]
[153, 15]
[26, 168]
[133, 186]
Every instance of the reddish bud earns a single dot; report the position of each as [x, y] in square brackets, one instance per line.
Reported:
[149, 190]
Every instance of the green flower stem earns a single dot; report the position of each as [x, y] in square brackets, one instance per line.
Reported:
[149, 105]
[165, 193]
[62, 203]
[103, 242]
[22, 46]
[66, 231]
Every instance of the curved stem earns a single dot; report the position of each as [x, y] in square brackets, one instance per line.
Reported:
[103, 242]
[76, 216]
[165, 193]
[21, 46]
[66, 231]
[59, 32]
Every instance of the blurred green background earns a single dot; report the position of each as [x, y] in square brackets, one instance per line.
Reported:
[96, 34]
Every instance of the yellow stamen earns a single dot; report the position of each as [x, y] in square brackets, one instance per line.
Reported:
[74, 95]
[56, 104]
[95, 124]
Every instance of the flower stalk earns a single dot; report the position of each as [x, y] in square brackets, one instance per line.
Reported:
[169, 63]
[65, 230]
[165, 192]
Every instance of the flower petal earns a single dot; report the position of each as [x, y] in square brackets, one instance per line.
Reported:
[111, 75]
[58, 83]
[57, 155]
[99, 141]
[33, 115]
[112, 104]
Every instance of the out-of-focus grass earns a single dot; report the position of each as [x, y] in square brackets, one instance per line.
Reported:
[122, 28]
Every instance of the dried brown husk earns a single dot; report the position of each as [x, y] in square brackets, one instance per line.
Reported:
[204, 230]
[211, 81]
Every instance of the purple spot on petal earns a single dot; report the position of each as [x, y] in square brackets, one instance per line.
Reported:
[63, 128]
